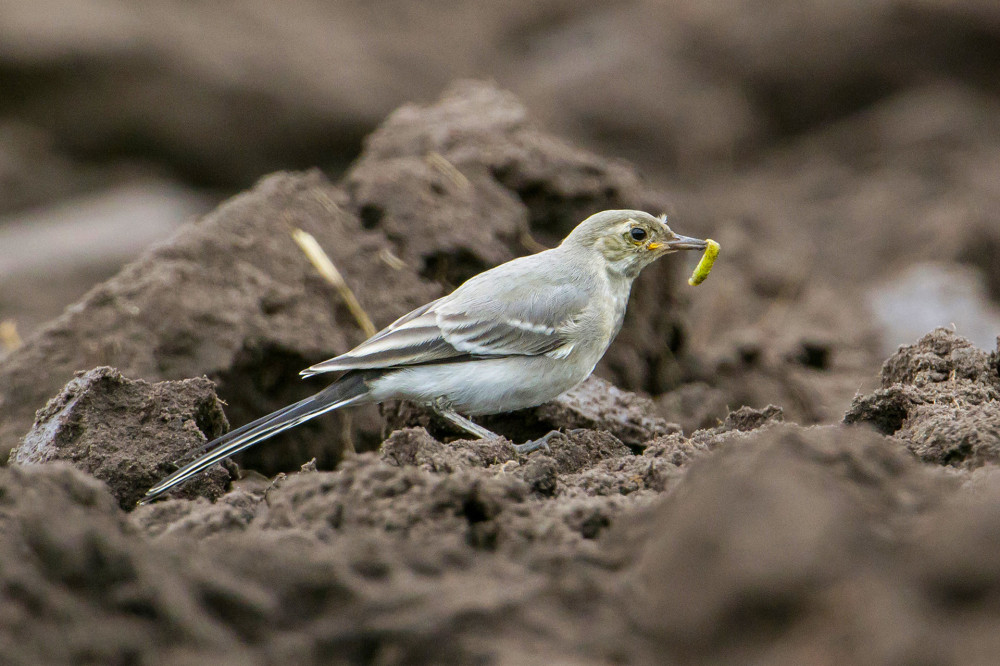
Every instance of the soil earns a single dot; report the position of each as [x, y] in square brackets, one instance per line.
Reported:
[102, 423]
[737, 483]
[941, 398]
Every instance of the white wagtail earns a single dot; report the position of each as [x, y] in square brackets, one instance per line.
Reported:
[513, 337]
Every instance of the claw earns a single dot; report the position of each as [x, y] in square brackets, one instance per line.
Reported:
[535, 444]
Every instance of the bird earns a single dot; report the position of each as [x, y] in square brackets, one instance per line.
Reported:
[512, 337]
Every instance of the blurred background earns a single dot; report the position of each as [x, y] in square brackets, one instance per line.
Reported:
[847, 147]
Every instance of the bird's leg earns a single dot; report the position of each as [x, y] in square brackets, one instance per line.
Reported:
[446, 412]
[535, 444]
[442, 409]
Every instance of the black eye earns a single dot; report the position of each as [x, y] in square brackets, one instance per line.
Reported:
[638, 233]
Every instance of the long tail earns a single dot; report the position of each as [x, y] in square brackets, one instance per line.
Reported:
[349, 389]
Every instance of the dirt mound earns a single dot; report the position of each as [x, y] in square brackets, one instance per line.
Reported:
[941, 397]
[127, 433]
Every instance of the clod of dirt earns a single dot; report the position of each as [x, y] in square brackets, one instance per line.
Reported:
[885, 409]
[748, 418]
[939, 357]
[680, 450]
[941, 397]
[958, 434]
[581, 449]
[414, 446]
[128, 433]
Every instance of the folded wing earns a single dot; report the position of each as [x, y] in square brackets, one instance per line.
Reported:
[515, 320]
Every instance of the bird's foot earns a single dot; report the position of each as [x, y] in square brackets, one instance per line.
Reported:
[535, 444]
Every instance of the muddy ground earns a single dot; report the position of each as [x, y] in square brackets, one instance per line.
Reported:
[757, 473]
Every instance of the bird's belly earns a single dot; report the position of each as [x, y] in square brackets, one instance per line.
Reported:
[486, 386]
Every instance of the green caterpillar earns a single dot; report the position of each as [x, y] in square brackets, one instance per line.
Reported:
[704, 266]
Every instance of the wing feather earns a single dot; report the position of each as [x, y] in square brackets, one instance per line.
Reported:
[515, 321]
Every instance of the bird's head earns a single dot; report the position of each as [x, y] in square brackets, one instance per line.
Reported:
[629, 240]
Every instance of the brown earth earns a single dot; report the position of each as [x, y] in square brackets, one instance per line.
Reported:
[102, 423]
[692, 511]
[941, 398]
[753, 541]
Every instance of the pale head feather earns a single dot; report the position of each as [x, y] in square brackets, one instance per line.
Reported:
[610, 234]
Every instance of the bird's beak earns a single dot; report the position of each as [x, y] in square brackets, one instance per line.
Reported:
[685, 243]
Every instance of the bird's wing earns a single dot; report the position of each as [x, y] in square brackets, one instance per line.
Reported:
[521, 317]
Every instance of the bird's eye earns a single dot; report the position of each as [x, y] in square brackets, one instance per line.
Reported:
[638, 234]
